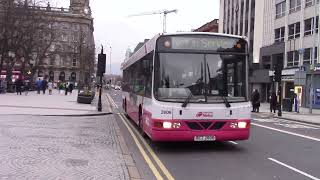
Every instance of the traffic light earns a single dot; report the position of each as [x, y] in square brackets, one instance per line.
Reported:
[277, 73]
[101, 69]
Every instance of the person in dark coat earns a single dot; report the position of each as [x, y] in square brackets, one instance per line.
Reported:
[66, 88]
[26, 87]
[70, 88]
[19, 84]
[255, 100]
[39, 85]
[273, 102]
[44, 85]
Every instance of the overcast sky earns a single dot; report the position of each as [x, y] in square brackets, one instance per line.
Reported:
[113, 27]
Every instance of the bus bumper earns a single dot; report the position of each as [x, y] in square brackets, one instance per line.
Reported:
[184, 134]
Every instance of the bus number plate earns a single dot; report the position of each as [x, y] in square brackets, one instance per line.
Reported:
[204, 138]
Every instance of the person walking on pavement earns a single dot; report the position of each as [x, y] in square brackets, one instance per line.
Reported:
[39, 85]
[273, 102]
[70, 88]
[255, 100]
[19, 84]
[44, 85]
[66, 89]
[50, 87]
[26, 87]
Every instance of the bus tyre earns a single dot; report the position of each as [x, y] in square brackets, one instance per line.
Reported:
[142, 133]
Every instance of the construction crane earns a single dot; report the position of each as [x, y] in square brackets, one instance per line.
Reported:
[164, 12]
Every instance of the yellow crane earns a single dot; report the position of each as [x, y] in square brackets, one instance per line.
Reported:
[164, 12]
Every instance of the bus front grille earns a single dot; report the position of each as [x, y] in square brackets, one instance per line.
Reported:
[217, 125]
[194, 126]
[205, 125]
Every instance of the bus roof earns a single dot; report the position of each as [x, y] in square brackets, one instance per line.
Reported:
[150, 45]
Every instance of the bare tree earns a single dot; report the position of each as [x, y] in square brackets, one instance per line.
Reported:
[85, 52]
[27, 32]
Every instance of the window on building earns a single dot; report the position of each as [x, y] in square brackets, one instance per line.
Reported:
[309, 25]
[294, 30]
[295, 5]
[74, 62]
[307, 56]
[279, 34]
[281, 9]
[293, 58]
[311, 2]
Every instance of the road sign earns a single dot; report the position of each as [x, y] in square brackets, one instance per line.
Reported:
[301, 51]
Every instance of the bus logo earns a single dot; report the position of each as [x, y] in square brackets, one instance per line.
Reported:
[204, 114]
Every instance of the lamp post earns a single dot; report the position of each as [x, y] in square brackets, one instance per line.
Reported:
[110, 58]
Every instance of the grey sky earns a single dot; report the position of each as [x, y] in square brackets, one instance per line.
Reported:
[113, 27]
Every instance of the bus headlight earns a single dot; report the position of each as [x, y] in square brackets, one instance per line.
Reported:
[242, 125]
[176, 125]
[167, 125]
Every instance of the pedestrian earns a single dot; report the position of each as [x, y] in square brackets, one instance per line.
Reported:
[50, 87]
[19, 84]
[255, 100]
[70, 88]
[39, 85]
[273, 102]
[26, 87]
[66, 89]
[44, 85]
[60, 86]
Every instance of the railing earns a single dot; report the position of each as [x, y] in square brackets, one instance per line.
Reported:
[48, 8]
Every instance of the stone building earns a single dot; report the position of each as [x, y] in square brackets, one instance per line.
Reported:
[73, 48]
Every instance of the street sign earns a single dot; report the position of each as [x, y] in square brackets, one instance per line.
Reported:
[301, 51]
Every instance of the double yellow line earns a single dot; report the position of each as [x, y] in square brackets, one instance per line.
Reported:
[143, 147]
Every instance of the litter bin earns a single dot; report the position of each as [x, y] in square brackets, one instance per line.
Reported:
[287, 105]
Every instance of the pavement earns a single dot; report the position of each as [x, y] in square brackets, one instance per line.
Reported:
[63, 145]
[45, 104]
[302, 116]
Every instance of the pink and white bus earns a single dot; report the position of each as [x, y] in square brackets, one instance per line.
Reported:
[189, 87]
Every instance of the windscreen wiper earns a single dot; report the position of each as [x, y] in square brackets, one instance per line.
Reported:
[226, 102]
[187, 100]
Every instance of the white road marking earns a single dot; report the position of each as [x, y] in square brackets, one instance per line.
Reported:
[294, 126]
[287, 132]
[284, 120]
[294, 169]
[233, 142]
[265, 120]
[296, 122]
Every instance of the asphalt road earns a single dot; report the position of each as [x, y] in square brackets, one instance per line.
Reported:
[277, 149]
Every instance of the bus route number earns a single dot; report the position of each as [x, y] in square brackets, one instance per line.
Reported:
[165, 112]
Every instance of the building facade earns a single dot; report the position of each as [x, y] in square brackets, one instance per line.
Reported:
[72, 50]
[245, 18]
[290, 40]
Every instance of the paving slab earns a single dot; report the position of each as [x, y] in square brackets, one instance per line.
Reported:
[45, 104]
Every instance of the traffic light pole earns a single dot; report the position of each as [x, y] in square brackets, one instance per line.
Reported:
[100, 71]
[100, 92]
